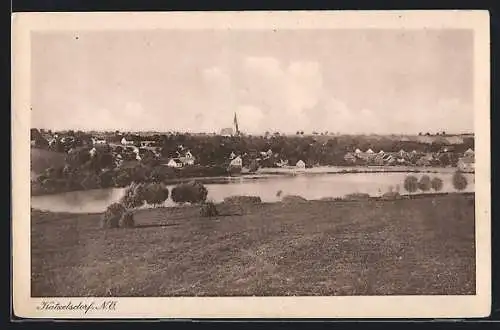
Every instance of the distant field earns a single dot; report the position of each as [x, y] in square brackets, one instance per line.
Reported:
[419, 246]
[42, 159]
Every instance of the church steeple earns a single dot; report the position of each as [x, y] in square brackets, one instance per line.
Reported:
[235, 123]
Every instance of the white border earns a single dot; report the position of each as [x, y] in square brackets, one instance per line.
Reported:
[251, 307]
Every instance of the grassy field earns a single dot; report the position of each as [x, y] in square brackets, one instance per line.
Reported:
[423, 245]
[42, 159]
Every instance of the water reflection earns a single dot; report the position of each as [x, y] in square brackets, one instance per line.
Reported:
[309, 186]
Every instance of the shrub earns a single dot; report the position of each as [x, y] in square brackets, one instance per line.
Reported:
[459, 181]
[106, 179]
[208, 210]
[243, 200]
[425, 183]
[134, 196]
[391, 195]
[123, 178]
[127, 220]
[192, 192]
[291, 199]
[156, 193]
[410, 184]
[112, 215]
[357, 197]
[437, 184]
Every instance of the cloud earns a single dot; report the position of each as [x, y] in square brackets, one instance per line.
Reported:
[284, 93]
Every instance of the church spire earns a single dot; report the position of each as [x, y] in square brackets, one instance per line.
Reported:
[235, 122]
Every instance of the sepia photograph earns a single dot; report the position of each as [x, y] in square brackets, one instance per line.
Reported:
[192, 158]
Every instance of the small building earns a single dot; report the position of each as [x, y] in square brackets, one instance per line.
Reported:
[466, 164]
[148, 144]
[236, 162]
[188, 158]
[369, 151]
[388, 159]
[98, 141]
[282, 163]
[300, 164]
[226, 132]
[358, 152]
[350, 158]
[92, 152]
[127, 141]
[469, 153]
[175, 163]
[381, 152]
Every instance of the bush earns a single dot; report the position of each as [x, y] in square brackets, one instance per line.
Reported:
[134, 195]
[357, 197]
[208, 210]
[391, 195]
[112, 215]
[425, 183]
[127, 220]
[156, 193]
[243, 200]
[291, 199]
[106, 179]
[459, 181]
[437, 184]
[411, 184]
[192, 192]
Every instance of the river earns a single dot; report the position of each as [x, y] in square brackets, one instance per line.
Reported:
[309, 186]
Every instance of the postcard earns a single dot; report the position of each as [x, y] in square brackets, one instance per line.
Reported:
[301, 164]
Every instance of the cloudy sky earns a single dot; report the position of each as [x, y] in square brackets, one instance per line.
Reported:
[347, 81]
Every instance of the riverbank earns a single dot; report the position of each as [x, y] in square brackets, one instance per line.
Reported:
[262, 173]
[423, 245]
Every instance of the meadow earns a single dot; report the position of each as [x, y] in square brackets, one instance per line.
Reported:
[423, 245]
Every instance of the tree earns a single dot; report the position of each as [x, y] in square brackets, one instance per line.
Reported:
[425, 183]
[411, 184]
[192, 192]
[156, 194]
[459, 181]
[134, 196]
[437, 184]
[254, 166]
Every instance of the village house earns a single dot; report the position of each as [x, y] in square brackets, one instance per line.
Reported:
[236, 162]
[282, 163]
[466, 164]
[175, 163]
[145, 144]
[350, 158]
[300, 164]
[469, 153]
[127, 141]
[388, 159]
[226, 132]
[100, 141]
[188, 158]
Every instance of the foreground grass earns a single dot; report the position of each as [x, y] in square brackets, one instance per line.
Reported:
[420, 246]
